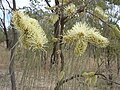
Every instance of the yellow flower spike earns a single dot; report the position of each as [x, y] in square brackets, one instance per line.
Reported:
[53, 18]
[69, 39]
[115, 30]
[94, 80]
[33, 35]
[100, 13]
[85, 74]
[87, 81]
[97, 39]
[70, 9]
[91, 74]
[80, 47]
[61, 75]
[78, 31]
[81, 34]
[90, 78]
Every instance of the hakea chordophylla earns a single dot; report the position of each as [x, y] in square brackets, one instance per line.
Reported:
[80, 47]
[78, 31]
[53, 18]
[101, 14]
[70, 9]
[94, 37]
[81, 34]
[90, 78]
[33, 35]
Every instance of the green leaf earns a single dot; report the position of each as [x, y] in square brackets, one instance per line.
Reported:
[90, 78]
[61, 76]
[51, 8]
[115, 30]
[102, 4]
[85, 74]
[99, 12]
[94, 80]
[116, 2]
[80, 47]
[87, 81]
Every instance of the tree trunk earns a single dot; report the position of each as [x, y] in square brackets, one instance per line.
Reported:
[57, 55]
[110, 76]
[12, 71]
[11, 67]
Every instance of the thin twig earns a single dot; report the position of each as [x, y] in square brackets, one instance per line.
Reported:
[9, 4]
[105, 78]
[49, 5]
[100, 19]
[79, 75]
[5, 9]
[100, 66]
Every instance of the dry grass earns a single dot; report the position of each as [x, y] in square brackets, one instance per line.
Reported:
[4, 56]
[38, 77]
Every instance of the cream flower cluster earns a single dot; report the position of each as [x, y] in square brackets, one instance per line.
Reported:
[33, 35]
[80, 47]
[101, 14]
[78, 31]
[70, 9]
[90, 78]
[53, 18]
[81, 34]
[94, 37]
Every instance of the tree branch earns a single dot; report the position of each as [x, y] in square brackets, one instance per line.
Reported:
[66, 80]
[14, 5]
[56, 2]
[105, 78]
[3, 24]
[79, 10]
[79, 75]
[49, 5]
[100, 19]
[5, 9]
[9, 4]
